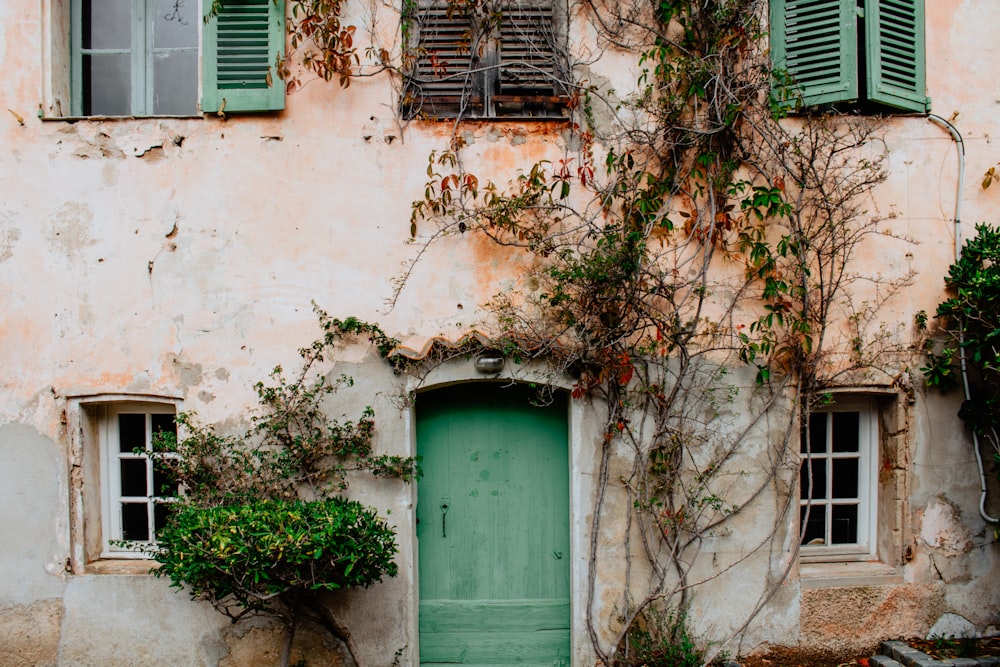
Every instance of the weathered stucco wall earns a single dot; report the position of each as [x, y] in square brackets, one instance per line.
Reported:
[179, 258]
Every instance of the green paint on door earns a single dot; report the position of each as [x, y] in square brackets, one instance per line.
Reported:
[493, 528]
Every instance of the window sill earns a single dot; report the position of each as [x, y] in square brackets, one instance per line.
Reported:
[491, 120]
[77, 119]
[848, 574]
[121, 566]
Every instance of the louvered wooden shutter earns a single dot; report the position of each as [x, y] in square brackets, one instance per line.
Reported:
[815, 42]
[444, 81]
[240, 47]
[527, 49]
[894, 36]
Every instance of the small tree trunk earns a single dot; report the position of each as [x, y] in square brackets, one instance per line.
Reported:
[291, 624]
[338, 631]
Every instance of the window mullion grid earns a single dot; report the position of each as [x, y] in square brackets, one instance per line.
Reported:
[78, 53]
[142, 63]
[828, 491]
[76, 58]
[121, 500]
[812, 501]
[868, 456]
[111, 523]
[150, 491]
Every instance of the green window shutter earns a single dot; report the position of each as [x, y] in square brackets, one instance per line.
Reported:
[240, 47]
[894, 34]
[815, 43]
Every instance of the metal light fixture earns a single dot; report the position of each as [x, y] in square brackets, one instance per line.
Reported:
[489, 361]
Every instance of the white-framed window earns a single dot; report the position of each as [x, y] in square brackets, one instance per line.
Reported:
[137, 492]
[135, 57]
[838, 481]
[116, 493]
[498, 59]
[163, 57]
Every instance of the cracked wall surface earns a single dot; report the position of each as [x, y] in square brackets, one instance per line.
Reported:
[178, 259]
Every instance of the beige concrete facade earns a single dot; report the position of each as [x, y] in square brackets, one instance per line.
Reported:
[175, 260]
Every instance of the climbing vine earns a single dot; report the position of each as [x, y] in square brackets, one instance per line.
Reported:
[691, 273]
[262, 526]
[970, 324]
[692, 263]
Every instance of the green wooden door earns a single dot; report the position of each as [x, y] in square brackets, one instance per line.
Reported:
[493, 528]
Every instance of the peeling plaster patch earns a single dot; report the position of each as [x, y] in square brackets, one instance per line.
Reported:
[606, 105]
[8, 237]
[29, 634]
[70, 228]
[222, 374]
[952, 625]
[30, 498]
[190, 374]
[206, 396]
[142, 139]
[951, 569]
[942, 527]
[99, 147]
[138, 141]
[153, 154]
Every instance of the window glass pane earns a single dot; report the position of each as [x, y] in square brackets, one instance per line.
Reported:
[163, 422]
[818, 479]
[845, 431]
[175, 23]
[817, 433]
[844, 524]
[845, 478]
[131, 432]
[134, 477]
[107, 84]
[814, 520]
[175, 83]
[161, 512]
[163, 484]
[106, 24]
[135, 522]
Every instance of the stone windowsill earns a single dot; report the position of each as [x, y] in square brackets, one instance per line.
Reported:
[121, 566]
[848, 574]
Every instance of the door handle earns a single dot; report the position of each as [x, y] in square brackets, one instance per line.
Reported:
[444, 518]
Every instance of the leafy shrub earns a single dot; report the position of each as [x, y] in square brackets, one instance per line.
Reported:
[659, 639]
[261, 526]
[251, 555]
[970, 319]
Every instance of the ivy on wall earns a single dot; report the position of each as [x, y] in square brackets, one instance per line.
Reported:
[690, 236]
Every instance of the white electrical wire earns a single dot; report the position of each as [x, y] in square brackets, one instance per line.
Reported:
[938, 120]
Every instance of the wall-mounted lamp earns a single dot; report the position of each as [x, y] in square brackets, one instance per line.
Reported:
[489, 362]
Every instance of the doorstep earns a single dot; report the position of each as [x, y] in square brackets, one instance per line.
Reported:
[901, 654]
